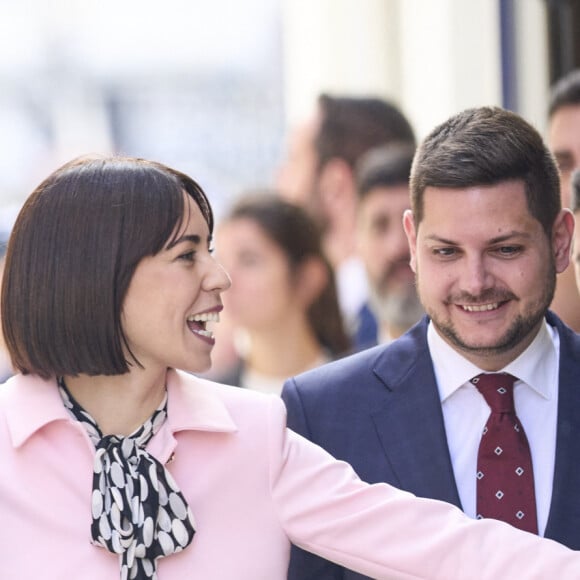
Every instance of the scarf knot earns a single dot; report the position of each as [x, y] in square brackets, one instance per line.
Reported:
[138, 511]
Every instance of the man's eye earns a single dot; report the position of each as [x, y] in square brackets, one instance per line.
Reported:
[380, 226]
[509, 250]
[444, 252]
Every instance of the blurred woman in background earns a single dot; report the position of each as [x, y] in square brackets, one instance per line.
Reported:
[282, 306]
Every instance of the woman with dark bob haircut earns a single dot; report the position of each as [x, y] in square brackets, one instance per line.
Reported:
[117, 464]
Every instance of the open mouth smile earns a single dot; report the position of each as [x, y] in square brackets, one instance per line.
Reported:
[197, 323]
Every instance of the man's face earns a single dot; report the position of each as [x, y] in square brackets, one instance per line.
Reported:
[564, 142]
[486, 270]
[383, 247]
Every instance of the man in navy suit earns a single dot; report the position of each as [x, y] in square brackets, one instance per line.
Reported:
[487, 235]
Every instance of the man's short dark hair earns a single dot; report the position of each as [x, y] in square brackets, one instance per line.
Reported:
[350, 126]
[566, 91]
[385, 166]
[485, 146]
[71, 256]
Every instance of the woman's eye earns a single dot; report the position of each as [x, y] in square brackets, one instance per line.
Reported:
[249, 260]
[188, 256]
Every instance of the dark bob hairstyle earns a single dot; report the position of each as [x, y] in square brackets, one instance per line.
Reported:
[71, 256]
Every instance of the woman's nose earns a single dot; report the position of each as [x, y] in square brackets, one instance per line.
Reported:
[217, 278]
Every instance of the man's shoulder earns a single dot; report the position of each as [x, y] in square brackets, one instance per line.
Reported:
[365, 365]
[569, 339]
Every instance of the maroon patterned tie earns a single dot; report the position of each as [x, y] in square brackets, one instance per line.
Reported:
[505, 477]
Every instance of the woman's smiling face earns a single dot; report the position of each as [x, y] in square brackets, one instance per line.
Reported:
[171, 296]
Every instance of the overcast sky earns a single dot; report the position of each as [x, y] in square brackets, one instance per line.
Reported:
[118, 35]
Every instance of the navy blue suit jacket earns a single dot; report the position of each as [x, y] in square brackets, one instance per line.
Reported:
[380, 411]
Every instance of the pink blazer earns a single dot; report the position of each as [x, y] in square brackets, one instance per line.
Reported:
[253, 487]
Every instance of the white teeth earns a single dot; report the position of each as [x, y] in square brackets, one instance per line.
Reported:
[480, 308]
[205, 317]
[207, 333]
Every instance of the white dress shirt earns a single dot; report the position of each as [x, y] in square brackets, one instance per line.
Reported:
[351, 288]
[465, 411]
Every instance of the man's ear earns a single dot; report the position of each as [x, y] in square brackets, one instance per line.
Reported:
[411, 233]
[311, 279]
[562, 236]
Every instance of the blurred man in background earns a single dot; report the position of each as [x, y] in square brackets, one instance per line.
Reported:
[382, 179]
[575, 207]
[564, 142]
[318, 173]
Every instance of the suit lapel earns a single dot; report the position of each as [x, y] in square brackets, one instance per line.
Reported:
[410, 423]
[564, 518]
[412, 435]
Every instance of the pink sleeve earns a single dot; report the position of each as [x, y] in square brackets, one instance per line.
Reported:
[384, 532]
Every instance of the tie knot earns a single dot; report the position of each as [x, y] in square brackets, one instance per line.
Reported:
[497, 390]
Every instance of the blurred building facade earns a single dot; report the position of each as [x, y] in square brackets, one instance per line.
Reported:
[193, 84]
[211, 87]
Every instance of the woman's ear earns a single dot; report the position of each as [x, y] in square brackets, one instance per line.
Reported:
[311, 279]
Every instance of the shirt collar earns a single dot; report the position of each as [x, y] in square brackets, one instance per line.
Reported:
[537, 366]
[31, 403]
[194, 404]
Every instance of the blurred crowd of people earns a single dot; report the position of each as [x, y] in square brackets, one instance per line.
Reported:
[344, 182]
[346, 170]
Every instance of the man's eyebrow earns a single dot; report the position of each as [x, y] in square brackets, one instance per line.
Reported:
[496, 240]
[193, 238]
[509, 236]
[441, 240]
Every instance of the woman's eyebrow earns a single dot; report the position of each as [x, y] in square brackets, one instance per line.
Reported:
[193, 238]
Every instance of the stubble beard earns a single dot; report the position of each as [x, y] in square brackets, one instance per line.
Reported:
[519, 330]
[396, 307]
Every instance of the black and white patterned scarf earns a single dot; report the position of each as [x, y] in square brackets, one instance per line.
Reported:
[138, 511]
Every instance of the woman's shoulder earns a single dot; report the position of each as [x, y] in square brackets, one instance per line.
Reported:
[242, 419]
[17, 387]
[240, 403]
[27, 404]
